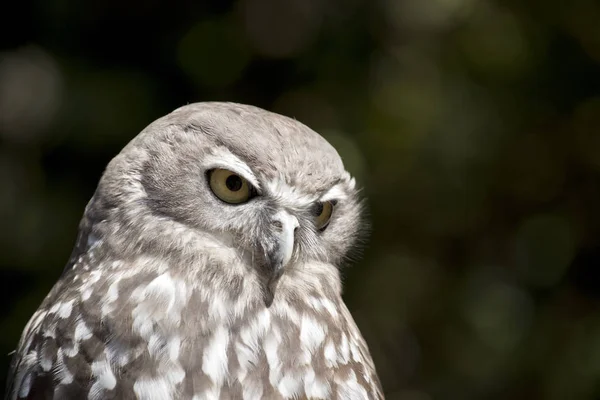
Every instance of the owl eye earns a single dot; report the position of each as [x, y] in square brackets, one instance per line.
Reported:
[229, 186]
[322, 212]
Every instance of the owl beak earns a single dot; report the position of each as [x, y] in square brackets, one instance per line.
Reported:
[284, 228]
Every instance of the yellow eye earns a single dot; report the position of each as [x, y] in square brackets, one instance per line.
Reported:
[322, 212]
[229, 186]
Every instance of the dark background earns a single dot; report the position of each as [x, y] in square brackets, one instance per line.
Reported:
[473, 126]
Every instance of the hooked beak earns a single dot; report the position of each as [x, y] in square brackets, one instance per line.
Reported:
[284, 229]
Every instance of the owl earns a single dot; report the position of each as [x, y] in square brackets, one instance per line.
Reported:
[206, 267]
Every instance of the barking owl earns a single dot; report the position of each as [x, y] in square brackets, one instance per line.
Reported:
[206, 268]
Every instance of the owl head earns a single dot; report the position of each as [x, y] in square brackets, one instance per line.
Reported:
[265, 186]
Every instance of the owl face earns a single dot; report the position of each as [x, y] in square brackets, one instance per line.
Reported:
[265, 186]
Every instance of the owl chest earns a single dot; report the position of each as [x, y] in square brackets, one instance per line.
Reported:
[268, 353]
[166, 339]
[231, 337]
[164, 343]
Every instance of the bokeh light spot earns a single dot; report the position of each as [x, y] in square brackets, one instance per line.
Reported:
[31, 88]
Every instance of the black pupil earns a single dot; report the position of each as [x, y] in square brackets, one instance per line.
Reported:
[319, 209]
[234, 183]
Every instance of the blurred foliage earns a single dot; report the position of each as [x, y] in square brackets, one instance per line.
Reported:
[473, 126]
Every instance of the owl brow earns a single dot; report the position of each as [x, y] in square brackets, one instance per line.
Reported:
[231, 162]
[335, 192]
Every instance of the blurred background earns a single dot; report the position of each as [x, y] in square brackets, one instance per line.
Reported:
[473, 126]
